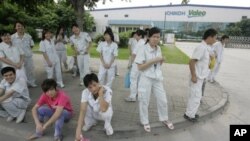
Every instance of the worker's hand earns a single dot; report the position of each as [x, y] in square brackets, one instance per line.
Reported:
[194, 79]
[49, 64]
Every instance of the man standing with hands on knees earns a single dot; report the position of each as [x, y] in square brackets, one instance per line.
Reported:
[199, 68]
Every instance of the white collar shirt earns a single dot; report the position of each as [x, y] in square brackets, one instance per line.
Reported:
[146, 53]
[24, 42]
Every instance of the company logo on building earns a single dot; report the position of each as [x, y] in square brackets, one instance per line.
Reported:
[175, 13]
[189, 14]
[196, 13]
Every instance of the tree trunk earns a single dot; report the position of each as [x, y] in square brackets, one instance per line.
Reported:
[78, 6]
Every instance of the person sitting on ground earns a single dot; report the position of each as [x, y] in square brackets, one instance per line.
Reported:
[53, 105]
[14, 97]
[95, 105]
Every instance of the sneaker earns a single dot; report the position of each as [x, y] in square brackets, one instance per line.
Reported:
[33, 85]
[21, 116]
[59, 138]
[81, 84]
[129, 99]
[195, 119]
[109, 130]
[61, 85]
[10, 118]
[86, 127]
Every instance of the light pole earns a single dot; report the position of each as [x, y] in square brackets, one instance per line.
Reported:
[164, 26]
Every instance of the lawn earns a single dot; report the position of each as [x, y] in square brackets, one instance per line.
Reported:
[172, 54]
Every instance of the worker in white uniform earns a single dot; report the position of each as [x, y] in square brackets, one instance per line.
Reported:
[198, 65]
[14, 95]
[81, 43]
[26, 43]
[149, 60]
[60, 43]
[131, 42]
[108, 50]
[219, 49]
[95, 105]
[12, 56]
[51, 59]
[135, 73]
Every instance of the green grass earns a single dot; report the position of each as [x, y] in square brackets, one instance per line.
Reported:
[172, 54]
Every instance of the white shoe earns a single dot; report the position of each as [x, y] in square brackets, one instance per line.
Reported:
[129, 99]
[10, 118]
[21, 116]
[86, 127]
[33, 85]
[81, 84]
[109, 130]
[61, 85]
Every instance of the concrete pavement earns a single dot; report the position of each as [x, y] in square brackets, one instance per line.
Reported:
[126, 117]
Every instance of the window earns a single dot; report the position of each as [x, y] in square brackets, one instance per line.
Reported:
[106, 15]
[244, 17]
[94, 29]
[126, 15]
[121, 29]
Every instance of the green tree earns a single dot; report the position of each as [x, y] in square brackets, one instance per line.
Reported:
[241, 28]
[185, 2]
[78, 6]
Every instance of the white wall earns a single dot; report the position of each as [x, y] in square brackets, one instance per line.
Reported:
[213, 14]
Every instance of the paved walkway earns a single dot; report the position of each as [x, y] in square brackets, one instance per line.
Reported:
[126, 117]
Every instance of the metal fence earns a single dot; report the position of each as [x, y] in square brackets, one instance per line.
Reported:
[239, 42]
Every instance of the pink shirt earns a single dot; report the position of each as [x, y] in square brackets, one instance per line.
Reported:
[60, 100]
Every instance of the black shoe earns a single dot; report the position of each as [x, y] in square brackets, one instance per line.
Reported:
[197, 116]
[191, 119]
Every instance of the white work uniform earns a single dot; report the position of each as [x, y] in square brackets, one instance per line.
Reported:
[25, 43]
[20, 99]
[81, 43]
[131, 42]
[108, 52]
[48, 47]
[12, 53]
[151, 80]
[135, 73]
[61, 49]
[218, 48]
[93, 112]
[201, 54]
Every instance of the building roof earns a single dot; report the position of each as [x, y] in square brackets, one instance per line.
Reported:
[176, 5]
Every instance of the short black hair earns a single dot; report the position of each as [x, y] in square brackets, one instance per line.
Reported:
[224, 37]
[44, 32]
[20, 22]
[152, 31]
[110, 33]
[74, 24]
[48, 84]
[132, 34]
[209, 33]
[89, 78]
[140, 32]
[7, 69]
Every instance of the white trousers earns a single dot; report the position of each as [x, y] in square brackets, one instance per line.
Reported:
[215, 71]
[146, 86]
[20, 73]
[83, 65]
[55, 69]
[91, 117]
[134, 80]
[62, 57]
[106, 76]
[194, 98]
[29, 69]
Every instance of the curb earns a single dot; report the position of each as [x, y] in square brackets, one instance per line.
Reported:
[128, 132]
